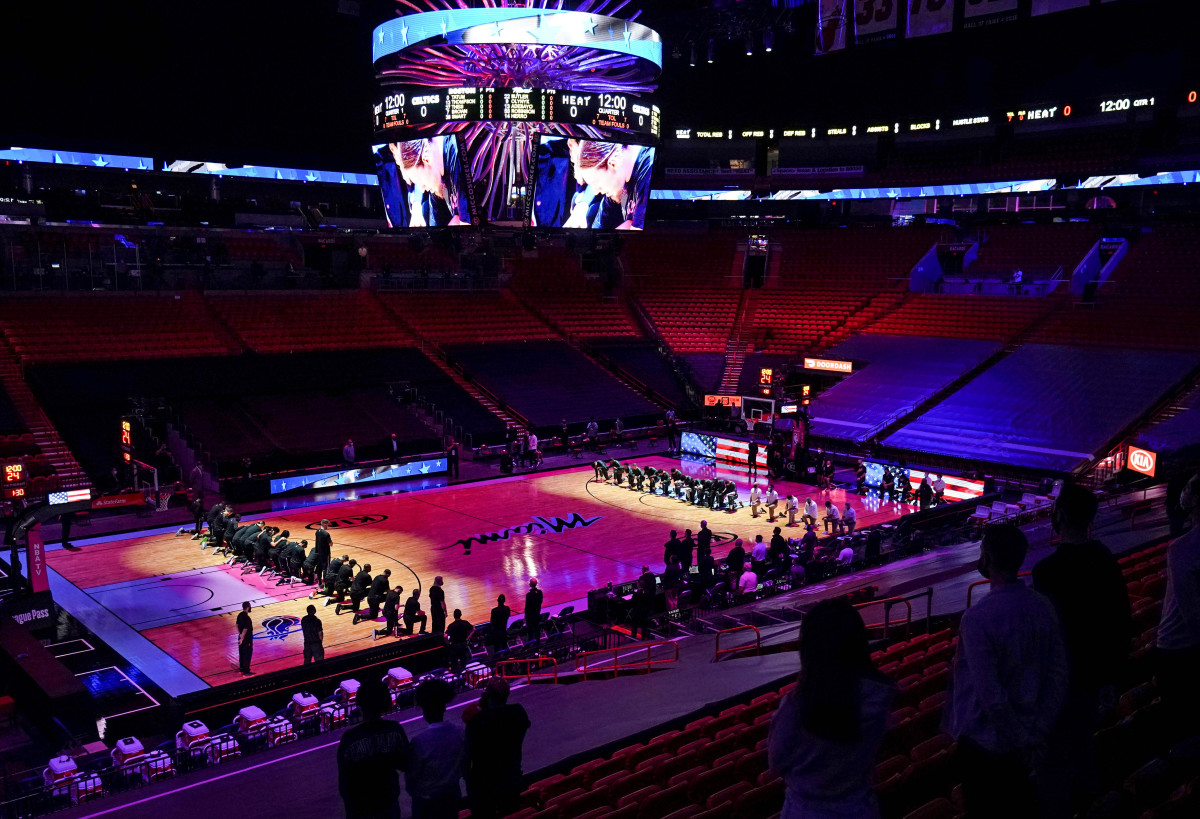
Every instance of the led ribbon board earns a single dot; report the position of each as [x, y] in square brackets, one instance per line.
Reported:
[552, 27]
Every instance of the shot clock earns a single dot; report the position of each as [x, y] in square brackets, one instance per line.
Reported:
[14, 480]
[126, 441]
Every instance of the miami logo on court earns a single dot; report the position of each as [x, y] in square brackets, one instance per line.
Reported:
[538, 526]
[350, 522]
[278, 627]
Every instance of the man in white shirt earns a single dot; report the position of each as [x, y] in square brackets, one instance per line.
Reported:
[772, 502]
[810, 511]
[532, 451]
[939, 490]
[793, 506]
[1009, 681]
[759, 553]
[748, 582]
[832, 518]
[845, 556]
[437, 756]
[849, 518]
[755, 500]
[1178, 640]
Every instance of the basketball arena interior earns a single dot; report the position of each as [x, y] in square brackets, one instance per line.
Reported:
[393, 308]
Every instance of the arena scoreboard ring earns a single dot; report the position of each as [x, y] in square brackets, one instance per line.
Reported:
[414, 106]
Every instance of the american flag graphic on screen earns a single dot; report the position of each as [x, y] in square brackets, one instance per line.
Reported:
[698, 444]
[70, 496]
[722, 449]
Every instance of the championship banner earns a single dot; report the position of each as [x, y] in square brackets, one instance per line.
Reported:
[978, 13]
[1050, 6]
[831, 25]
[35, 560]
[876, 20]
[927, 17]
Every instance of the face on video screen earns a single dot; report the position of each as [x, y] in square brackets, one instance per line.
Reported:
[422, 183]
[591, 185]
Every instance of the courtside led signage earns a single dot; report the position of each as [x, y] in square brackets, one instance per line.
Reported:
[1142, 460]
[722, 400]
[828, 365]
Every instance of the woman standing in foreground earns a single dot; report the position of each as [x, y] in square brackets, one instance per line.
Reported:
[828, 730]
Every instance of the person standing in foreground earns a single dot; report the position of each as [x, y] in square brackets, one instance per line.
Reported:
[495, 734]
[459, 634]
[437, 607]
[1083, 580]
[314, 636]
[497, 637]
[245, 630]
[370, 757]
[1009, 682]
[533, 612]
[826, 734]
[436, 756]
[1179, 627]
[752, 458]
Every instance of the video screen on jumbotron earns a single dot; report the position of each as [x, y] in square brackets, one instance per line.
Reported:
[590, 185]
[424, 183]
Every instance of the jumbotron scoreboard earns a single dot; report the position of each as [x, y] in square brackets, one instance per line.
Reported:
[410, 106]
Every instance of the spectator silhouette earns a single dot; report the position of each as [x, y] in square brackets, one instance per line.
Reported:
[1010, 680]
[437, 756]
[495, 734]
[1179, 627]
[370, 757]
[1083, 580]
[828, 730]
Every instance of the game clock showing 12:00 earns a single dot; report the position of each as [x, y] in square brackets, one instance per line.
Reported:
[14, 480]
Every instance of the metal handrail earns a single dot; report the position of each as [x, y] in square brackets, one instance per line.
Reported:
[985, 582]
[531, 673]
[757, 642]
[888, 603]
[618, 665]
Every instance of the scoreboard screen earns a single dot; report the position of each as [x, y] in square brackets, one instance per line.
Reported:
[424, 183]
[589, 184]
[409, 106]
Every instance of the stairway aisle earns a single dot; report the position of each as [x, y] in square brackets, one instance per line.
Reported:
[434, 354]
[737, 346]
[68, 473]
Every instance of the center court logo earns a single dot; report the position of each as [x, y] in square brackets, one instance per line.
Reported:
[537, 526]
[278, 628]
[350, 522]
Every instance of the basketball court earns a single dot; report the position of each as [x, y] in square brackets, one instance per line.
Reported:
[172, 605]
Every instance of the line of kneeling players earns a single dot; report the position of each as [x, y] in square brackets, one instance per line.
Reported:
[716, 493]
[271, 552]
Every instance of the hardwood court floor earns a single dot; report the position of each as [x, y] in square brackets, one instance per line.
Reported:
[572, 534]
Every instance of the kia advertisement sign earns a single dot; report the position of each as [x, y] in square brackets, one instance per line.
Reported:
[1142, 460]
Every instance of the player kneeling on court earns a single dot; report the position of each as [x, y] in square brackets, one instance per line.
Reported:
[375, 595]
[391, 614]
[308, 569]
[413, 613]
[359, 586]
